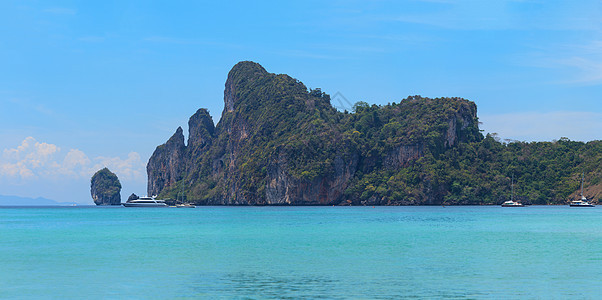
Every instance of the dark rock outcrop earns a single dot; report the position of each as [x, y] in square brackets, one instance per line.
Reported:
[133, 197]
[105, 188]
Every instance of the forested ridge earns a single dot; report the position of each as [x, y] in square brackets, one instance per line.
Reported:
[279, 143]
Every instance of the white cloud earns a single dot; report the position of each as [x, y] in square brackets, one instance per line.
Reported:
[131, 168]
[534, 126]
[33, 160]
[28, 158]
[76, 163]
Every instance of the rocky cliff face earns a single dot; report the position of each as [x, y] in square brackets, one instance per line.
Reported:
[105, 188]
[460, 121]
[279, 144]
[403, 155]
[166, 165]
[201, 130]
[284, 189]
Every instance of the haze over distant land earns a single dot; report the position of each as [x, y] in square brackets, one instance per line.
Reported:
[6, 200]
[99, 84]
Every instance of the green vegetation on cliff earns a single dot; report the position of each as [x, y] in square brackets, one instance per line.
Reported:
[279, 143]
[545, 172]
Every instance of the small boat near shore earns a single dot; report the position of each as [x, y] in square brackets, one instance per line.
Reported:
[145, 202]
[583, 202]
[511, 202]
[180, 200]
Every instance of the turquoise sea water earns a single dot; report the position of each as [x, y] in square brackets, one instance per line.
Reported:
[301, 252]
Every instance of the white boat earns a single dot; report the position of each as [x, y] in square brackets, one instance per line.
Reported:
[182, 204]
[145, 202]
[583, 202]
[511, 202]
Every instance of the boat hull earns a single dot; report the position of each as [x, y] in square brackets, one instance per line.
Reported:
[144, 204]
[510, 205]
[581, 205]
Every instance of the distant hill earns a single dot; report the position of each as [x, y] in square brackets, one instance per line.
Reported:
[278, 143]
[24, 201]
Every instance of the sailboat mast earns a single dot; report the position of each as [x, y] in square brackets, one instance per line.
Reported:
[512, 184]
[582, 176]
[182, 191]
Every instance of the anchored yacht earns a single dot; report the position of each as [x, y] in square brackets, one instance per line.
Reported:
[583, 202]
[145, 202]
[511, 202]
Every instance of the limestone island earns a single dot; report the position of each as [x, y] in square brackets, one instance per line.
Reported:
[105, 188]
[279, 143]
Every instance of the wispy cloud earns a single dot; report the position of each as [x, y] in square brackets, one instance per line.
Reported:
[412, 39]
[462, 15]
[308, 54]
[172, 40]
[580, 61]
[536, 126]
[92, 39]
[60, 11]
[588, 69]
[507, 15]
[27, 104]
[34, 160]
[187, 41]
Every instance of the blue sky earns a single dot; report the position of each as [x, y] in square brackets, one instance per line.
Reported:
[87, 84]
